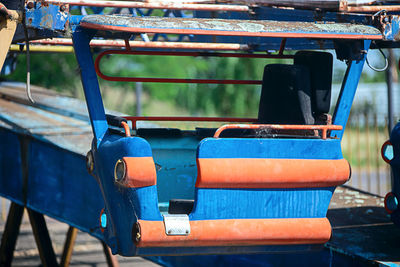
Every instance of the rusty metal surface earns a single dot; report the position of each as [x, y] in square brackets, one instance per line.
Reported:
[373, 9]
[258, 28]
[152, 5]
[152, 44]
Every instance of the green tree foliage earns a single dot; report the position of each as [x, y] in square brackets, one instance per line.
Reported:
[55, 71]
[60, 72]
[206, 99]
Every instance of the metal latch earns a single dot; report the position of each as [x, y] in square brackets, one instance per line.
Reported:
[176, 224]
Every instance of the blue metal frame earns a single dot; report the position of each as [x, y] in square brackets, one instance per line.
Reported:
[90, 83]
[348, 89]
[142, 203]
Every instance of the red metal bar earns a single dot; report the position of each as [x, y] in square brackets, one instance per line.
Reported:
[192, 54]
[282, 47]
[127, 45]
[323, 128]
[371, 9]
[126, 128]
[135, 119]
[156, 5]
[159, 80]
[142, 44]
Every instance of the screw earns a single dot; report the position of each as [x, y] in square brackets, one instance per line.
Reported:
[30, 4]
[138, 236]
[63, 8]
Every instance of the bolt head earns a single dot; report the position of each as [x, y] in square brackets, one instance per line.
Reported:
[30, 5]
[119, 170]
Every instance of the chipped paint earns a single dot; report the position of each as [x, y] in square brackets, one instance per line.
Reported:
[262, 28]
[49, 17]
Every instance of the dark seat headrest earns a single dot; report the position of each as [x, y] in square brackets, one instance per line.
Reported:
[320, 70]
[286, 95]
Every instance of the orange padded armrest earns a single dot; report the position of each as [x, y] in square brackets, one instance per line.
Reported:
[139, 172]
[270, 173]
[238, 232]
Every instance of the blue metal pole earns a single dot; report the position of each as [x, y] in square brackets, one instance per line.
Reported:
[81, 39]
[348, 91]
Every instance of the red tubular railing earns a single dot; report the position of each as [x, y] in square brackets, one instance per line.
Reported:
[323, 128]
[178, 80]
[152, 44]
[135, 119]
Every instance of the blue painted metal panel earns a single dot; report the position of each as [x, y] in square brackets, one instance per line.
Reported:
[176, 175]
[391, 30]
[214, 204]
[348, 91]
[81, 39]
[46, 16]
[270, 148]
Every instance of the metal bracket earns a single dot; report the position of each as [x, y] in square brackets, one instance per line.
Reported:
[176, 224]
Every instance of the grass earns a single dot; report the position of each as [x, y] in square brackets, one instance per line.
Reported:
[362, 148]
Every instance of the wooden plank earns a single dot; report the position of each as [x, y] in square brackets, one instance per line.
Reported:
[112, 260]
[42, 237]
[10, 234]
[68, 246]
[7, 30]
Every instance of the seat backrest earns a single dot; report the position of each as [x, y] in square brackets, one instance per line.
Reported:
[286, 95]
[319, 65]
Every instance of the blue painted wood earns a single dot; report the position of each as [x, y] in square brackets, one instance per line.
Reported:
[348, 91]
[11, 183]
[321, 257]
[81, 39]
[188, 252]
[270, 148]
[58, 182]
[214, 204]
[47, 17]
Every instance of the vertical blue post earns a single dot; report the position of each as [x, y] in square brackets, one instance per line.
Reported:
[347, 92]
[81, 39]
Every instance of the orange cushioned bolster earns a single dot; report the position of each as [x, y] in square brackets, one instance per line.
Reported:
[140, 172]
[239, 232]
[270, 173]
